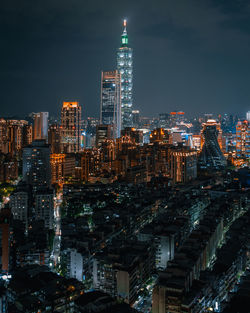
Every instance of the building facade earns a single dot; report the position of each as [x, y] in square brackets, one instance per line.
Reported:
[8, 168]
[54, 139]
[14, 135]
[70, 127]
[44, 207]
[5, 238]
[125, 68]
[103, 133]
[40, 125]
[211, 156]
[111, 101]
[243, 139]
[182, 164]
[74, 262]
[19, 204]
[36, 164]
[136, 118]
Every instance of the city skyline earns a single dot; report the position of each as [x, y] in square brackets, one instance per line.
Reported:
[125, 156]
[194, 56]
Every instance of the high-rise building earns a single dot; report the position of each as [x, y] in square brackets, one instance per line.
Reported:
[3, 136]
[211, 156]
[136, 118]
[54, 139]
[40, 125]
[27, 135]
[19, 204]
[56, 163]
[196, 142]
[36, 164]
[125, 68]
[5, 238]
[243, 139]
[14, 135]
[8, 168]
[85, 164]
[159, 135]
[111, 101]
[182, 164]
[248, 116]
[62, 167]
[103, 133]
[74, 261]
[70, 127]
[44, 207]
[136, 136]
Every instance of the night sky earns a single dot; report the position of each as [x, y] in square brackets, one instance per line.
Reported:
[191, 55]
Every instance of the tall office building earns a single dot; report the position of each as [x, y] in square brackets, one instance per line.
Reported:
[248, 116]
[40, 125]
[70, 127]
[103, 133]
[36, 164]
[111, 101]
[125, 68]
[136, 118]
[54, 139]
[211, 155]
[243, 139]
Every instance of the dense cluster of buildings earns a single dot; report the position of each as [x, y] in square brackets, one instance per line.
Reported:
[203, 279]
[114, 152]
[123, 213]
[123, 217]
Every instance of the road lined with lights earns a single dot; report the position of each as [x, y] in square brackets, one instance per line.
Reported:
[57, 238]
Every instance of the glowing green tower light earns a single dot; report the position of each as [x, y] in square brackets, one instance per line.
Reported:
[124, 35]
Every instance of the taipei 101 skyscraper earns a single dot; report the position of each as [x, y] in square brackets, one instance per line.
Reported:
[125, 68]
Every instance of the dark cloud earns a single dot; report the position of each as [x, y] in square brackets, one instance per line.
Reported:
[188, 54]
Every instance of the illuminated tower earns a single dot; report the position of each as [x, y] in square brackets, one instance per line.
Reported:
[111, 101]
[243, 139]
[125, 68]
[70, 127]
[211, 156]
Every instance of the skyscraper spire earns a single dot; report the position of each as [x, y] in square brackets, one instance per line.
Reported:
[125, 68]
[124, 35]
[125, 25]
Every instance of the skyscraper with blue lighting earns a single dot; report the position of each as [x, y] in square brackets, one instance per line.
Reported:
[125, 68]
